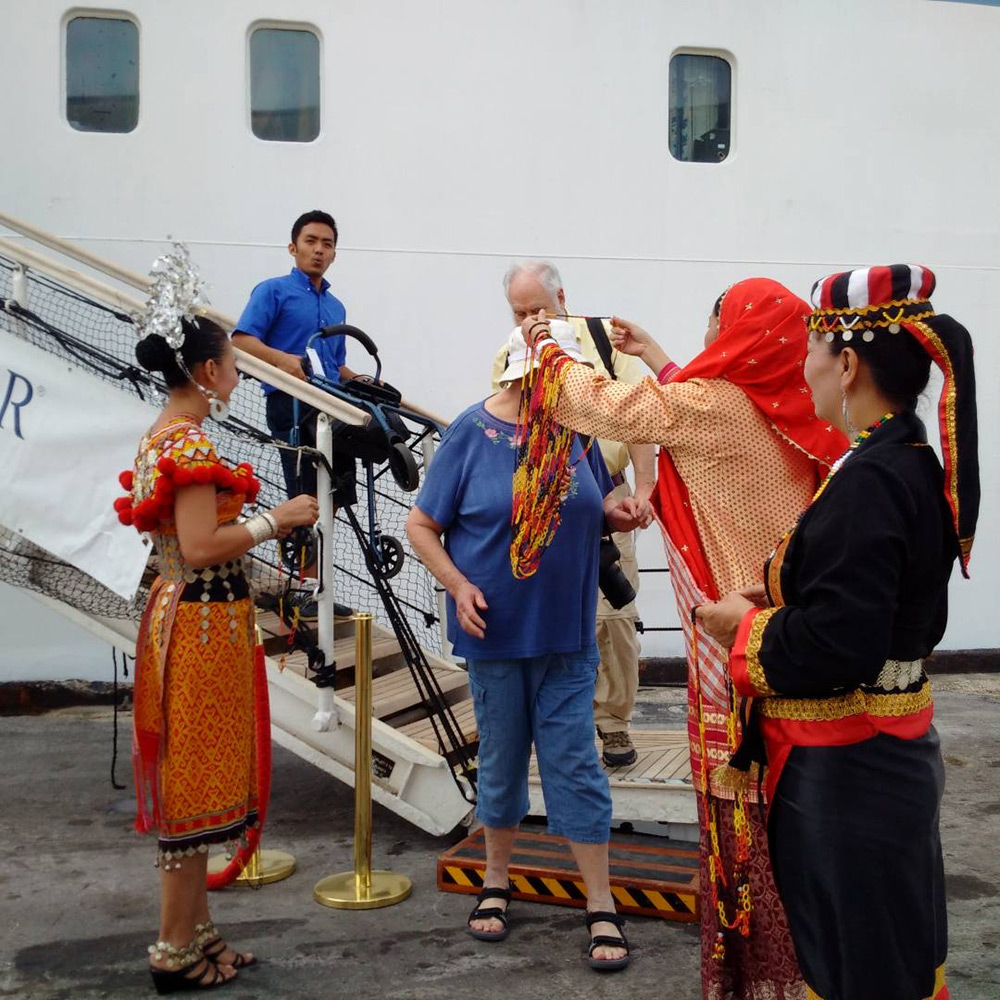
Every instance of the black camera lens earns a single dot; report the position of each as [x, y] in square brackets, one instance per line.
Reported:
[613, 582]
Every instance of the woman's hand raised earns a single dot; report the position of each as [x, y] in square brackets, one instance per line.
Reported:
[630, 338]
[536, 327]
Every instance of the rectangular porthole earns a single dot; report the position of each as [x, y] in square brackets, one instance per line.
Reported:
[700, 107]
[284, 84]
[102, 74]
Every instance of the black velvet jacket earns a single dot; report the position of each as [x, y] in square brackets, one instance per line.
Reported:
[864, 577]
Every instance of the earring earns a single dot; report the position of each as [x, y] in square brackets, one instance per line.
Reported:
[849, 428]
[218, 409]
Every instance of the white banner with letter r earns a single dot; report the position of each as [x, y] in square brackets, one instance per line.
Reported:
[64, 438]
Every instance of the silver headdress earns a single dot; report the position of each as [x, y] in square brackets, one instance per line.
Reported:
[177, 293]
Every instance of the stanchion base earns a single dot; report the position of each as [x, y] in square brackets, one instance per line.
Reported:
[343, 891]
[265, 866]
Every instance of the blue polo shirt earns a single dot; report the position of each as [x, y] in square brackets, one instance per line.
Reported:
[285, 312]
[468, 491]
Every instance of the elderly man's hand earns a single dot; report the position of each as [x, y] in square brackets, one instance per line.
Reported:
[628, 514]
[536, 327]
[721, 620]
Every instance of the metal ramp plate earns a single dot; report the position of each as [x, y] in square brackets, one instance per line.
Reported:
[650, 877]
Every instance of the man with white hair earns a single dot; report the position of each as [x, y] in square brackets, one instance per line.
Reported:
[534, 285]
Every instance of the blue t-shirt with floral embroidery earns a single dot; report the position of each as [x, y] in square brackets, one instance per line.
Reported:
[468, 491]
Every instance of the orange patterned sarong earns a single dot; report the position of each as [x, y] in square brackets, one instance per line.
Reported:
[194, 747]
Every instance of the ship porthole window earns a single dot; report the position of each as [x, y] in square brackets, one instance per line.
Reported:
[102, 74]
[284, 84]
[701, 87]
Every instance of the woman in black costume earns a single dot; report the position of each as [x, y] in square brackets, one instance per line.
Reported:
[830, 648]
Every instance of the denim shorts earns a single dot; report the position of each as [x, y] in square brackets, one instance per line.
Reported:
[549, 701]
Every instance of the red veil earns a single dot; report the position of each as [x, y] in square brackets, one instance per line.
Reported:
[761, 348]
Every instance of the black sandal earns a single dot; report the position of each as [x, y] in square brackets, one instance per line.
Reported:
[212, 946]
[187, 977]
[490, 913]
[607, 964]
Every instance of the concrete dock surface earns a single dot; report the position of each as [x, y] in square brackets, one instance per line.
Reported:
[78, 902]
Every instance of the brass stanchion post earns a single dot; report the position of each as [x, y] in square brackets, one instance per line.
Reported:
[362, 889]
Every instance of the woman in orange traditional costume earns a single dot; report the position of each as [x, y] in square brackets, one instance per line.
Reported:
[194, 753]
[832, 651]
[741, 453]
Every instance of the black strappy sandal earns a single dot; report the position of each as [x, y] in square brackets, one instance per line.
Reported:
[490, 913]
[607, 964]
[185, 978]
[212, 946]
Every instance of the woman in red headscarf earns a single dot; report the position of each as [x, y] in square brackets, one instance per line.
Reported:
[741, 454]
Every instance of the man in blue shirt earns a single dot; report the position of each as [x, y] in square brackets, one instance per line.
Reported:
[281, 316]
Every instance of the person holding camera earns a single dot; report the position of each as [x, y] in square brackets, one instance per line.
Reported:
[530, 286]
[529, 643]
[741, 454]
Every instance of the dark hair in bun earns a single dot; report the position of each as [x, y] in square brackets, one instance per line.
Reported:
[204, 340]
[899, 366]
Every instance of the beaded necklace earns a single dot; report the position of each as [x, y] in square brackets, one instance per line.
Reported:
[543, 470]
[855, 444]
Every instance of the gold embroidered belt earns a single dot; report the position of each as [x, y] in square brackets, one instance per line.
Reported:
[880, 702]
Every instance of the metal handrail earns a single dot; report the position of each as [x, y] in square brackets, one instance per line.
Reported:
[122, 301]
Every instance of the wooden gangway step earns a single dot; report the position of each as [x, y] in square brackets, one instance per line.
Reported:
[395, 692]
[423, 730]
[662, 757]
[650, 876]
[344, 648]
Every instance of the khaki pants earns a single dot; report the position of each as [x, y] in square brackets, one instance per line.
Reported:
[618, 645]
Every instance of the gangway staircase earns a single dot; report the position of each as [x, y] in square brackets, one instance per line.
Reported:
[413, 774]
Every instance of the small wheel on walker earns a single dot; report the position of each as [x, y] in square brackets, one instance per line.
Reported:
[403, 467]
[298, 549]
[391, 550]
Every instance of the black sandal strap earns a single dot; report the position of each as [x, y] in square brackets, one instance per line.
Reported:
[489, 913]
[214, 948]
[596, 916]
[603, 940]
[495, 893]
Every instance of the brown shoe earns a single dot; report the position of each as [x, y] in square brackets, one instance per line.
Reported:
[618, 749]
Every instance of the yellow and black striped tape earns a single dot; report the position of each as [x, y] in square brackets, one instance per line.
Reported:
[569, 891]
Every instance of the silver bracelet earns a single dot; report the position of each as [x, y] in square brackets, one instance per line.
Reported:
[261, 528]
[271, 520]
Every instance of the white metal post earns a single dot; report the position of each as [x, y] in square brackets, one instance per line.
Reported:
[326, 713]
[427, 448]
[19, 286]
